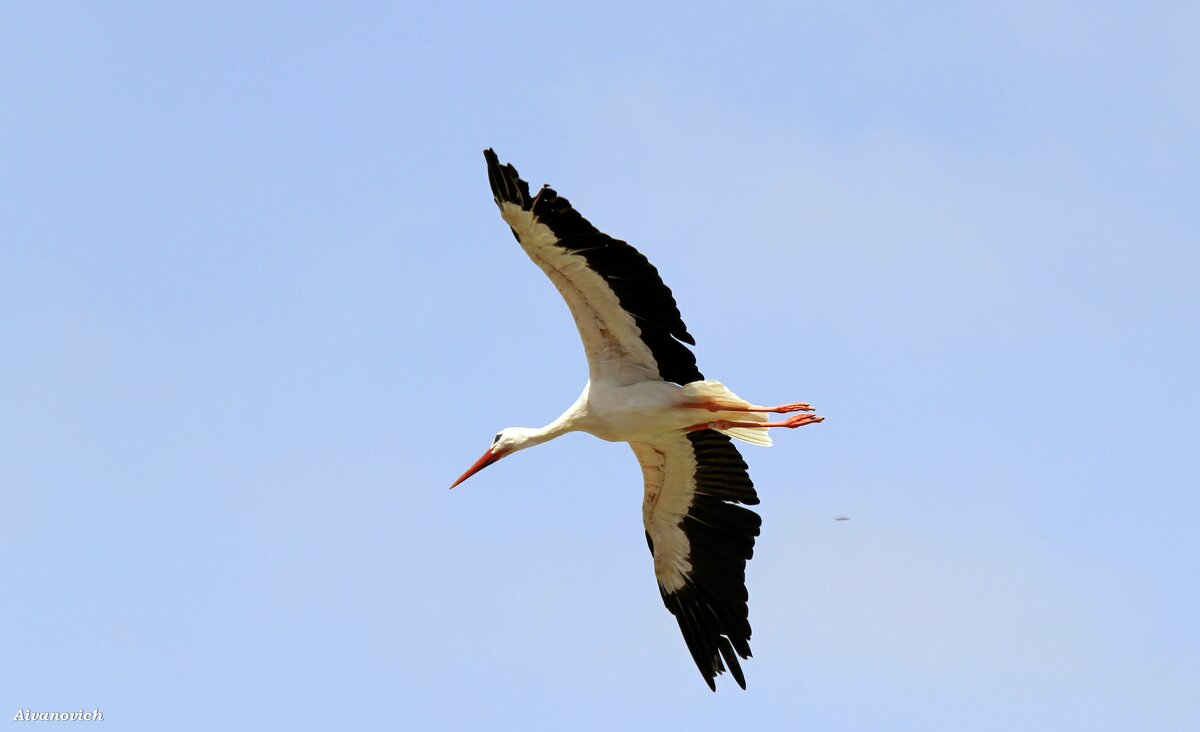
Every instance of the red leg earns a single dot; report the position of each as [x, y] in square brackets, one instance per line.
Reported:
[791, 422]
[716, 406]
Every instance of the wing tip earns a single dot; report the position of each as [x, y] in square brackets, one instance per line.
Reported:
[506, 183]
[724, 652]
[731, 661]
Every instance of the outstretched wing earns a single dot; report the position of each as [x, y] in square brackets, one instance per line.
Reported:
[701, 540]
[627, 317]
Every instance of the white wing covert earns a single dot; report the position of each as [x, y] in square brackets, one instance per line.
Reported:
[701, 539]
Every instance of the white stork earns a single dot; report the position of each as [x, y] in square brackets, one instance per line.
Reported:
[644, 389]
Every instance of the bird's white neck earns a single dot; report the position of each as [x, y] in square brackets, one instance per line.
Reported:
[524, 437]
[530, 436]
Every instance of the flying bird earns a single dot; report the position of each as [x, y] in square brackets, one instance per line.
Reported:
[644, 388]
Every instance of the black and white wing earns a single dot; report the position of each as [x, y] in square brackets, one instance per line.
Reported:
[701, 540]
[627, 317]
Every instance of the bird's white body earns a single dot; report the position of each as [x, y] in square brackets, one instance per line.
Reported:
[644, 389]
[648, 409]
[634, 412]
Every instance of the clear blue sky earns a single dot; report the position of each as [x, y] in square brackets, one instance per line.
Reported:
[258, 311]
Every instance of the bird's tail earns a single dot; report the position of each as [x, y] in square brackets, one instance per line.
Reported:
[715, 391]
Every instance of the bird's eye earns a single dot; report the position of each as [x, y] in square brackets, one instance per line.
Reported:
[496, 438]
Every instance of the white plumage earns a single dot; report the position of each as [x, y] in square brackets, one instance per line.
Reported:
[644, 389]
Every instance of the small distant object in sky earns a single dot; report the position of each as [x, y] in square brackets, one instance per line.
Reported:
[839, 517]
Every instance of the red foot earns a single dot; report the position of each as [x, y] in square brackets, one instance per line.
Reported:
[800, 420]
[797, 407]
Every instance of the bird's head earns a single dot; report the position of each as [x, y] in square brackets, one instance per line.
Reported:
[506, 442]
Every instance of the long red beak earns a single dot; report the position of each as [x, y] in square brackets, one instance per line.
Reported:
[488, 458]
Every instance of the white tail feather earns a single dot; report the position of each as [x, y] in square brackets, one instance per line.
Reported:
[716, 391]
[754, 435]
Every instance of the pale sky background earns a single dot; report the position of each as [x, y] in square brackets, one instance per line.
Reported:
[258, 311]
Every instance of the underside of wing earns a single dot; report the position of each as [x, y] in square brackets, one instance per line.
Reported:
[701, 539]
[628, 319]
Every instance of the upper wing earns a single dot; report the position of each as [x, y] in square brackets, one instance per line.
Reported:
[701, 540]
[627, 317]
